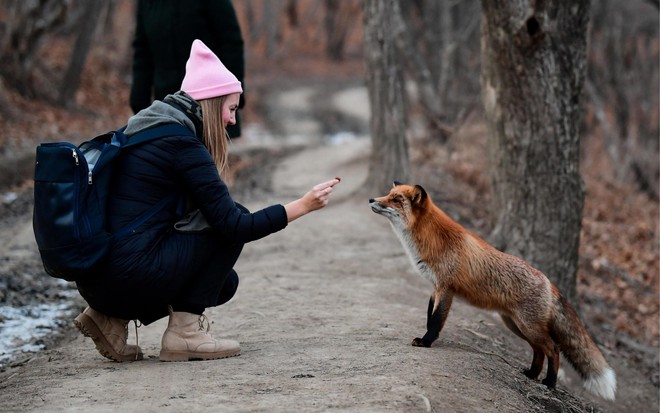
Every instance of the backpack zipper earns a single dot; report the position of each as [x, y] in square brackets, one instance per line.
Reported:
[76, 196]
[82, 230]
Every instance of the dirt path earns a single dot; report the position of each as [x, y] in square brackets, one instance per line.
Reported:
[325, 313]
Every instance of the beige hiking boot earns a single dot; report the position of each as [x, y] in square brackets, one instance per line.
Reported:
[187, 338]
[109, 335]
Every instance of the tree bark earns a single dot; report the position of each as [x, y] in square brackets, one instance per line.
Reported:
[389, 156]
[533, 70]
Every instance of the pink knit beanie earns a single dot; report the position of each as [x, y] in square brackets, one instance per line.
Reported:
[206, 76]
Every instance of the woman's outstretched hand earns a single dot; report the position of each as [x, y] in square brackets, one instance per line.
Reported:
[315, 199]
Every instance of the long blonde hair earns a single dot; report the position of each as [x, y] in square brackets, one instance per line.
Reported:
[215, 135]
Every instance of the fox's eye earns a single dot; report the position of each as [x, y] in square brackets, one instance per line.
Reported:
[397, 200]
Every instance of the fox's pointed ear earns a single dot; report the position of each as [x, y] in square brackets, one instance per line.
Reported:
[396, 183]
[420, 195]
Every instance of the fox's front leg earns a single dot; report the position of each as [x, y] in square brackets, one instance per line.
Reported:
[439, 305]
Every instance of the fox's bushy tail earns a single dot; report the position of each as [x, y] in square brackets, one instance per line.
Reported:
[581, 352]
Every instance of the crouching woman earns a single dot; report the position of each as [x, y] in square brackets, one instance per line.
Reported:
[173, 265]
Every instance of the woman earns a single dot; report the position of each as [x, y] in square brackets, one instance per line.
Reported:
[169, 265]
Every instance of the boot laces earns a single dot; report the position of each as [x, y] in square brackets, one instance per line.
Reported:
[204, 324]
[137, 325]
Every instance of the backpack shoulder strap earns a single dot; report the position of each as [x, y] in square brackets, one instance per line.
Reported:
[160, 131]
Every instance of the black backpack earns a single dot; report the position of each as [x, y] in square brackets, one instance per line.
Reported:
[71, 186]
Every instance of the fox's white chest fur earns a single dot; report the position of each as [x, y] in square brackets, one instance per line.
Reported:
[410, 247]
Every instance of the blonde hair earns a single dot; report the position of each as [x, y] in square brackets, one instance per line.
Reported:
[215, 135]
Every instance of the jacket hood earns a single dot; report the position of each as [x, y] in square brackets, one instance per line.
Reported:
[160, 113]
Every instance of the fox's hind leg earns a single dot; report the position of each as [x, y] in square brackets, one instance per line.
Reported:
[537, 335]
[537, 362]
[437, 312]
[553, 366]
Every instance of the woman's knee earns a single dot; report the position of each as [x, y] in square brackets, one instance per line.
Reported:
[229, 288]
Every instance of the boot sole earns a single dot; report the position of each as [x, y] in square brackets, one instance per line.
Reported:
[168, 355]
[88, 328]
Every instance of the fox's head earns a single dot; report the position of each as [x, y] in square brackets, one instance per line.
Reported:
[402, 205]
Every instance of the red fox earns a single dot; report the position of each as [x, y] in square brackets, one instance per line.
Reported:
[459, 263]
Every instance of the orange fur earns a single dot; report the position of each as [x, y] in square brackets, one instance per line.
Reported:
[458, 263]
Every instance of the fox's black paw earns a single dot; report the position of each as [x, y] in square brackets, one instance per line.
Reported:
[418, 342]
[531, 374]
[550, 382]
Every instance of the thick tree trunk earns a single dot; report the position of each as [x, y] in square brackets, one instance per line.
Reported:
[533, 69]
[389, 156]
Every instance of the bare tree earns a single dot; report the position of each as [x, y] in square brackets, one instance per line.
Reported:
[389, 156]
[263, 18]
[623, 69]
[533, 70]
[437, 40]
[338, 21]
[26, 24]
[420, 66]
[89, 19]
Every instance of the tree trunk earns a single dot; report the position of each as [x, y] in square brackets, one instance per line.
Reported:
[418, 64]
[71, 80]
[25, 26]
[434, 44]
[533, 70]
[389, 156]
[335, 29]
[623, 67]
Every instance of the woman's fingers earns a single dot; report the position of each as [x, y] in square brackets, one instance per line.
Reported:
[327, 184]
[320, 194]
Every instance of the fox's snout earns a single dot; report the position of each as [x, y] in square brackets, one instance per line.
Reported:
[374, 205]
[381, 206]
